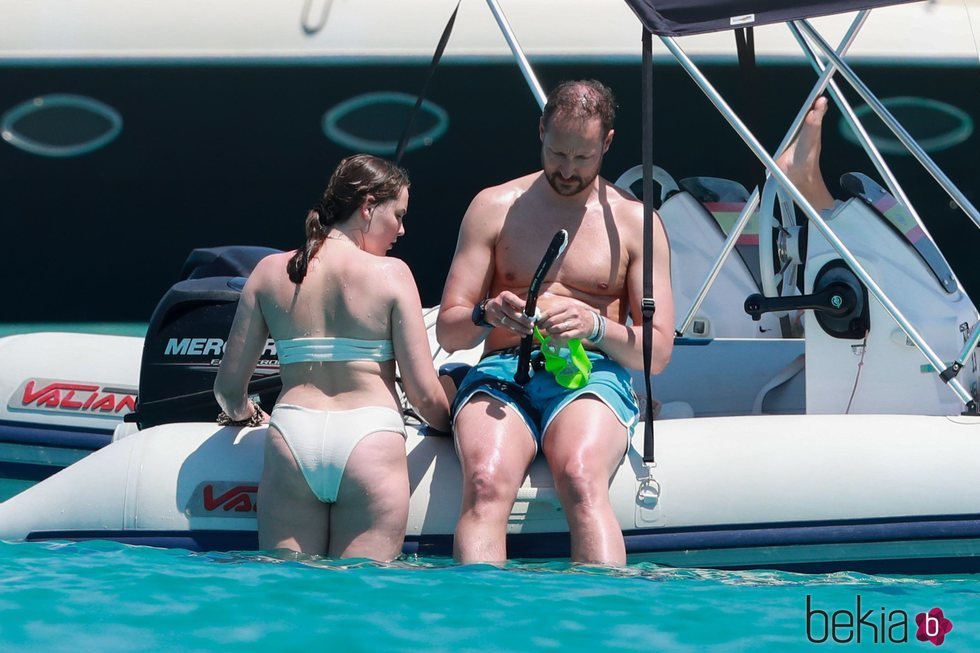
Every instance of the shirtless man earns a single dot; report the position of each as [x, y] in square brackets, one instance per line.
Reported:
[587, 295]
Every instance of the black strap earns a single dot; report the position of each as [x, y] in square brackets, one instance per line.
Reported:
[647, 304]
[403, 141]
[751, 100]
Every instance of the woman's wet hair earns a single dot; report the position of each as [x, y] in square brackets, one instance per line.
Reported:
[581, 99]
[354, 179]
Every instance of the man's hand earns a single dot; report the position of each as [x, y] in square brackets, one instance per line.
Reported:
[506, 311]
[566, 319]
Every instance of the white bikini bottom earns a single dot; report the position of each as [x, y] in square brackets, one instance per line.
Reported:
[322, 440]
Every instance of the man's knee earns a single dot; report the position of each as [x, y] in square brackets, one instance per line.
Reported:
[486, 485]
[580, 481]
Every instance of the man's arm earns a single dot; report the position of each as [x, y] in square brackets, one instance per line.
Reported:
[469, 280]
[625, 344]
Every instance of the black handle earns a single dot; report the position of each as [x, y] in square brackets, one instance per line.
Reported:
[557, 246]
[837, 299]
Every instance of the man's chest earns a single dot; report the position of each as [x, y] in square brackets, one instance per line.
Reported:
[593, 262]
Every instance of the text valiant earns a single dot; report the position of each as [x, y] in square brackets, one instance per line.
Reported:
[75, 397]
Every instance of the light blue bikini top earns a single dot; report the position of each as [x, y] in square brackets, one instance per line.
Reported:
[316, 350]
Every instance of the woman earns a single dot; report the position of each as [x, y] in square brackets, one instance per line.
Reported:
[335, 480]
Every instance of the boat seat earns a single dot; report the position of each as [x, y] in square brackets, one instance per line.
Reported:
[776, 404]
[696, 241]
[730, 376]
[675, 410]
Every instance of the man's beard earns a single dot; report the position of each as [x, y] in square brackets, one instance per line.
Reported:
[571, 186]
[569, 189]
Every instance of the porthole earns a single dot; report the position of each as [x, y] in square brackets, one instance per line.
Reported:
[60, 125]
[933, 124]
[373, 122]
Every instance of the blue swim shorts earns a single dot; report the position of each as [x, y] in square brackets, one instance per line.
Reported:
[538, 402]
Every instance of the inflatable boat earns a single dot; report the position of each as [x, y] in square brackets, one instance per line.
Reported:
[827, 422]
[62, 396]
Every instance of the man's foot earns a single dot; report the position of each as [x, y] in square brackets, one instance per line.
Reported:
[801, 160]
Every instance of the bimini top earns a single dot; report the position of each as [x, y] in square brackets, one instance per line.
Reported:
[680, 17]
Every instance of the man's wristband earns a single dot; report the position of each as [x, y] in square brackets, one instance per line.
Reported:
[479, 315]
[598, 329]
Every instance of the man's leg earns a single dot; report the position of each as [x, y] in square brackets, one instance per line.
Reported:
[495, 450]
[584, 444]
[801, 160]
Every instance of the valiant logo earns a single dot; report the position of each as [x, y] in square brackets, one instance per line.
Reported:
[223, 499]
[239, 498]
[73, 397]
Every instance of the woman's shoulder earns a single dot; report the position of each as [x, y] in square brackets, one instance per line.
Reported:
[391, 272]
[268, 270]
[272, 263]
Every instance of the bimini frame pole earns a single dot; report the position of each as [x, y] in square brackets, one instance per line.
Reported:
[518, 52]
[867, 144]
[811, 213]
[914, 148]
[862, 134]
[753, 201]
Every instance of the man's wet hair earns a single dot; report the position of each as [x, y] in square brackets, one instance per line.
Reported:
[581, 99]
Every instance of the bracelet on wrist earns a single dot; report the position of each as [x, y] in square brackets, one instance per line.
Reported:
[598, 329]
[255, 419]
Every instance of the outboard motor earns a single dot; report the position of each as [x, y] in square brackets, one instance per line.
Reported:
[186, 337]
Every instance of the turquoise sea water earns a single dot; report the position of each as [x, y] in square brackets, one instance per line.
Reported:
[101, 596]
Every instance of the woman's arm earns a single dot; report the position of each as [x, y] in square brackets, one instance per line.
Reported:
[411, 344]
[244, 346]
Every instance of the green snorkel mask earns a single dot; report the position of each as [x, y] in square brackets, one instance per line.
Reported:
[570, 365]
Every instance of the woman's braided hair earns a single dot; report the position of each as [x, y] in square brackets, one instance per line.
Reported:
[355, 178]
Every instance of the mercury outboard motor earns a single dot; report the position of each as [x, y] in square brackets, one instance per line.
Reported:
[186, 338]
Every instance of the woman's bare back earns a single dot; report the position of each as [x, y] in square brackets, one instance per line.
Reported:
[344, 295]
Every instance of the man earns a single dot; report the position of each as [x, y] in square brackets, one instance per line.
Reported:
[587, 295]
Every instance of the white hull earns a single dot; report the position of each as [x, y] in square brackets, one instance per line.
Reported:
[872, 492]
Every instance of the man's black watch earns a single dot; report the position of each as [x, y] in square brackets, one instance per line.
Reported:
[479, 316]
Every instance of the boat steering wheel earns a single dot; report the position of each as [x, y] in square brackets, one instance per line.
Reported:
[786, 246]
[667, 184]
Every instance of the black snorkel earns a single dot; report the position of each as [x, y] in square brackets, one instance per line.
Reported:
[557, 246]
